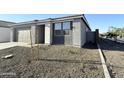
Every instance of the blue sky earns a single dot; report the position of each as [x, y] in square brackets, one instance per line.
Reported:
[28, 17]
[104, 21]
[100, 21]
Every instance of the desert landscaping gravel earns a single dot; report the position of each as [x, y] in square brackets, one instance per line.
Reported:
[56, 61]
[114, 55]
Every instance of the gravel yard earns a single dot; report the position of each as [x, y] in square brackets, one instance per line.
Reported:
[114, 54]
[56, 61]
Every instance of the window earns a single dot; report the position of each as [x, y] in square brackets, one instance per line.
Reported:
[66, 25]
[66, 32]
[58, 32]
[63, 28]
[58, 26]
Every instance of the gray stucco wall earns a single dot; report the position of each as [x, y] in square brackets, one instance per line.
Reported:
[14, 35]
[76, 33]
[33, 34]
[48, 33]
[83, 32]
[90, 37]
[79, 32]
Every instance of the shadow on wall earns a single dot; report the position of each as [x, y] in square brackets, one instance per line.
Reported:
[108, 44]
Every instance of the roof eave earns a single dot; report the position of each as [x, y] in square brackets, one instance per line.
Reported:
[53, 19]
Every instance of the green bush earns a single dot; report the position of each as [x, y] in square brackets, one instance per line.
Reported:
[113, 32]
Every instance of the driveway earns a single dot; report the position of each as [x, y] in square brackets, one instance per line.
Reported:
[114, 55]
[12, 44]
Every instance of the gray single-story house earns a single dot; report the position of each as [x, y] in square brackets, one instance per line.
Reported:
[69, 30]
[5, 31]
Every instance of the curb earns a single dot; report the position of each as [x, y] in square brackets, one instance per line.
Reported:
[106, 72]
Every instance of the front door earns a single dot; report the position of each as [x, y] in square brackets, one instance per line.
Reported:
[41, 34]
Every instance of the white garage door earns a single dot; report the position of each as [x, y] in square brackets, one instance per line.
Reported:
[5, 34]
[24, 35]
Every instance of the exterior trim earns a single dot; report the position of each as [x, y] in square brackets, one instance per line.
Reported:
[5, 26]
[53, 20]
[5, 23]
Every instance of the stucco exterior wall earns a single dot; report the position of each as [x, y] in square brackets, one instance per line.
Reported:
[33, 34]
[5, 34]
[79, 32]
[48, 33]
[12, 35]
[86, 33]
[76, 33]
[83, 32]
[90, 37]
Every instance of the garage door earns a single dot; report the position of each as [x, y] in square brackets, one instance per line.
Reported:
[24, 35]
[5, 34]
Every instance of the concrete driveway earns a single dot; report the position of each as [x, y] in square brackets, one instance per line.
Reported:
[12, 44]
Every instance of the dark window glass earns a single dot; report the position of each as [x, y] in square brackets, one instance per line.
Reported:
[66, 25]
[58, 26]
[58, 32]
[63, 28]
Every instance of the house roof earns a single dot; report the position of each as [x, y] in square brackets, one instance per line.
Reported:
[82, 16]
[5, 23]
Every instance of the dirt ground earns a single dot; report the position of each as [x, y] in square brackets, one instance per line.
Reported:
[55, 61]
[114, 55]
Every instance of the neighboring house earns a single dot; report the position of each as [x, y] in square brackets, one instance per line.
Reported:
[70, 30]
[5, 31]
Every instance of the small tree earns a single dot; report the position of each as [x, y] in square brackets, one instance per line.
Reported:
[112, 35]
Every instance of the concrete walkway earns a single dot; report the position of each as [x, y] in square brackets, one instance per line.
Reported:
[106, 72]
[12, 44]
